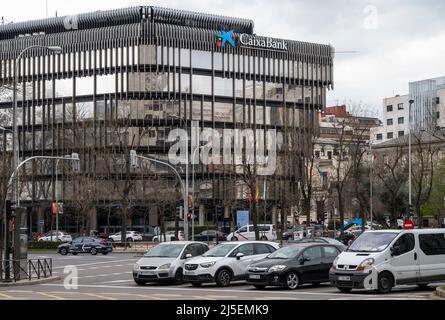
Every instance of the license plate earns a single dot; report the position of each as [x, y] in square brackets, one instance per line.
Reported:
[344, 278]
[255, 276]
[146, 273]
[188, 273]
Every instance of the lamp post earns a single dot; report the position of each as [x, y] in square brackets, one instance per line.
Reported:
[410, 204]
[193, 190]
[371, 186]
[133, 159]
[55, 196]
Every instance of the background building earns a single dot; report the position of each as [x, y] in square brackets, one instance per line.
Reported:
[125, 79]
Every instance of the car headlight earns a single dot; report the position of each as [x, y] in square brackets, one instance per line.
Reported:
[277, 268]
[136, 266]
[367, 263]
[208, 264]
[165, 266]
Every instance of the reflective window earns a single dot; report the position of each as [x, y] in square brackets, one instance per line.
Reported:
[201, 59]
[223, 87]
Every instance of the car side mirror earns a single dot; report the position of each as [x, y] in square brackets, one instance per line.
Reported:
[239, 255]
[188, 256]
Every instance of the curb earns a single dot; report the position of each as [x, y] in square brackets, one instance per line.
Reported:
[31, 282]
[440, 292]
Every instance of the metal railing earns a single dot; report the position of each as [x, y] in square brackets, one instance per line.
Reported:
[28, 269]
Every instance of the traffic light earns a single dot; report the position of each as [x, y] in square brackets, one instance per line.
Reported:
[410, 210]
[10, 209]
[75, 162]
[133, 159]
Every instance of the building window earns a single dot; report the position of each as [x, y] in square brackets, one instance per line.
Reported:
[401, 133]
[379, 136]
[330, 155]
[438, 115]
[389, 135]
[400, 106]
[389, 108]
[401, 120]
[437, 100]
[317, 154]
[389, 122]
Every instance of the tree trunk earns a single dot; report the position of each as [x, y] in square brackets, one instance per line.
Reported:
[307, 210]
[124, 225]
[255, 222]
[342, 214]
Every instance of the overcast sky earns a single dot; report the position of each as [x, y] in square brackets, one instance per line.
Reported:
[394, 41]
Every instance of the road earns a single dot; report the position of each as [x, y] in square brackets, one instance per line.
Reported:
[110, 278]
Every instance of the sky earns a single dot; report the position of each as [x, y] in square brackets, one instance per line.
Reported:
[380, 45]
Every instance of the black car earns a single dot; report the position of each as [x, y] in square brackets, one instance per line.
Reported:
[210, 235]
[326, 240]
[293, 266]
[85, 245]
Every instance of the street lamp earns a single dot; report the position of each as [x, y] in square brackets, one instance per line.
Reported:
[371, 212]
[15, 145]
[409, 157]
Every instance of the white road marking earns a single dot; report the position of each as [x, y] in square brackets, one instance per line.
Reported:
[118, 281]
[95, 263]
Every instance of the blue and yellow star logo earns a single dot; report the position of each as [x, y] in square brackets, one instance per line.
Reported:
[225, 36]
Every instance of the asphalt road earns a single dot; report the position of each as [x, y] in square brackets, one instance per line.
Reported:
[110, 278]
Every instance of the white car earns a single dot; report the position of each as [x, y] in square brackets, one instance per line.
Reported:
[52, 236]
[226, 262]
[130, 237]
[247, 233]
[380, 260]
[169, 236]
[165, 262]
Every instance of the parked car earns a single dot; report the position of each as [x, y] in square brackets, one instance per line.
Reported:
[332, 241]
[170, 236]
[210, 235]
[380, 260]
[85, 245]
[52, 236]
[293, 266]
[247, 232]
[165, 262]
[226, 262]
[130, 236]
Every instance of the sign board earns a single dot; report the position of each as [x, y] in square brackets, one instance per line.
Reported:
[242, 218]
[408, 224]
[41, 222]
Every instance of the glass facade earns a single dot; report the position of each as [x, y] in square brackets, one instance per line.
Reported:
[127, 85]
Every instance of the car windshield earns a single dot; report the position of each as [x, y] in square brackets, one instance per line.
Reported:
[220, 251]
[372, 242]
[165, 251]
[285, 253]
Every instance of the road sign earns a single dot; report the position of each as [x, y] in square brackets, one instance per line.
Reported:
[408, 224]
[41, 222]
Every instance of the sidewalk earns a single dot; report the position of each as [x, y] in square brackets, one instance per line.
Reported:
[30, 282]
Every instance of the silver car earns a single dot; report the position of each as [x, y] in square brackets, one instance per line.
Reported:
[165, 262]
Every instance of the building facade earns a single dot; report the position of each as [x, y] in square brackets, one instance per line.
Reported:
[427, 113]
[125, 79]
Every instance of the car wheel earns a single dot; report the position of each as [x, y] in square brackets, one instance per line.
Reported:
[223, 278]
[259, 286]
[292, 281]
[234, 239]
[111, 239]
[264, 238]
[93, 251]
[196, 284]
[179, 278]
[385, 282]
[140, 282]
[129, 239]
[63, 252]
[344, 289]
[74, 253]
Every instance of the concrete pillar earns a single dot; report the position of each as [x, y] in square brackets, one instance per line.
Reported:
[201, 215]
[153, 216]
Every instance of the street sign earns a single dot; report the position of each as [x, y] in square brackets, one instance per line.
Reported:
[41, 222]
[408, 224]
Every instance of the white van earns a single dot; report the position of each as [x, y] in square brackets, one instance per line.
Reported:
[380, 260]
[247, 233]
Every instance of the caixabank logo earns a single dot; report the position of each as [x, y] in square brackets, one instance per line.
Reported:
[224, 37]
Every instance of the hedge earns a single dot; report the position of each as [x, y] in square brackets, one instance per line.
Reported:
[43, 244]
